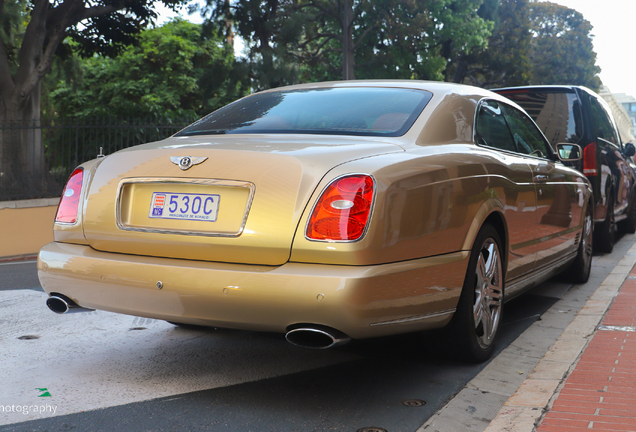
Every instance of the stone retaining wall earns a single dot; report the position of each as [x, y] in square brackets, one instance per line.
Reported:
[26, 226]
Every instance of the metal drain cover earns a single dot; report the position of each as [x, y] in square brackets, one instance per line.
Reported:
[413, 402]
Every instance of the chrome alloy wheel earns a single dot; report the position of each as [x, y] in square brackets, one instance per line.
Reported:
[488, 293]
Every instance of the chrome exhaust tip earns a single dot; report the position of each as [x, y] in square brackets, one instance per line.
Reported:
[316, 337]
[61, 304]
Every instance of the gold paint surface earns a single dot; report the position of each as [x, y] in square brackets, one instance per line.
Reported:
[267, 298]
[434, 190]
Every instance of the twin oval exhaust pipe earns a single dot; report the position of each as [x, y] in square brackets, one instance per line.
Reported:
[316, 337]
[61, 304]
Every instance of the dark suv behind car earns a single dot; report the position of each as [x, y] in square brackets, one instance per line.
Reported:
[573, 114]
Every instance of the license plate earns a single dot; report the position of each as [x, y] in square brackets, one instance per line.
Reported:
[187, 206]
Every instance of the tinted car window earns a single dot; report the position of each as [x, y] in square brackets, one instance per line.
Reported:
[557, 113]
[363, 111]
[602, 126]
[491, 127]
[528, 139]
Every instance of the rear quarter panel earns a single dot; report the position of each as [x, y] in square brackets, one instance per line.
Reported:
[429, 201]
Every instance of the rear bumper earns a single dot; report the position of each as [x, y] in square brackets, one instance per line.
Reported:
[360, 301]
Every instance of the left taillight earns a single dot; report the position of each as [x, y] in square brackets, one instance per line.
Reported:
[69, 203]
[343, 210]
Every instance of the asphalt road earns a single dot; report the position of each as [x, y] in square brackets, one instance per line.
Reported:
[108, 372]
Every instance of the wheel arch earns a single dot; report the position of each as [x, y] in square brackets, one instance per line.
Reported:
[490, 212]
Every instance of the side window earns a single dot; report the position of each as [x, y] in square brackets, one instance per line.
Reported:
[602, 125]
[557, 112]
[528, 139]
[491, 128]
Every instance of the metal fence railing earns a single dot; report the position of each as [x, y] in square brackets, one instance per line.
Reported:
[37, 158]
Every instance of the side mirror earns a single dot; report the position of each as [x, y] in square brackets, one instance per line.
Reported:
[629, 150]
[570, 152]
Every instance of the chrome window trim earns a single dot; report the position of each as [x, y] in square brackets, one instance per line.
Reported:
[525, 114]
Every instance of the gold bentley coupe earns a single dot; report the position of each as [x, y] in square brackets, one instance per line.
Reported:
[326, 212]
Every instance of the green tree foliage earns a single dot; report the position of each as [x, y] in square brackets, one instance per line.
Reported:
[562, 51]
[532, 43]
[267, 27]
[173, 71]
[317, 40]
[395, 39]
[505, 61]
[32, 32]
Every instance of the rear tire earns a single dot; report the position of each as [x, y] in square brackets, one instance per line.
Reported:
[579, 271]
[480, 305]
[604, 235]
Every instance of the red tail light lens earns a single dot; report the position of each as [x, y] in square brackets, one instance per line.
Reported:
[69, 204]
[589, 160]
[343, 210]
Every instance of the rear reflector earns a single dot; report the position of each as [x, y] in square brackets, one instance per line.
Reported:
[589, 160]
[69, 204]
[343, 210]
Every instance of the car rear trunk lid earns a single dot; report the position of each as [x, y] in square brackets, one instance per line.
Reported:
[242, 204]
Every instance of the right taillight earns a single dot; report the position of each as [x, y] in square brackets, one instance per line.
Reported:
[69, 203]
[589, 160]
[343, 210]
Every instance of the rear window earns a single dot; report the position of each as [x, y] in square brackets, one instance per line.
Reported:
[362, 111]
[602, 121]
[557, 113]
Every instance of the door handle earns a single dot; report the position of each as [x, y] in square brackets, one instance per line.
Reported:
[540, 178]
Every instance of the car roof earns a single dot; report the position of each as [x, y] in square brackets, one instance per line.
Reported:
[432, 86]
[546, 87]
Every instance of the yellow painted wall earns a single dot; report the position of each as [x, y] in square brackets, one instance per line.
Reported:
[23, 231]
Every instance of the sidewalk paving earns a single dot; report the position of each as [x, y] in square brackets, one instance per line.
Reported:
[587, 380]
[600, 393]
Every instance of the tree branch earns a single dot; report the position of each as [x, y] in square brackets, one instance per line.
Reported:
[328, 37]
[362, 36]
[35, 59]
[96, 11]
[317, 50]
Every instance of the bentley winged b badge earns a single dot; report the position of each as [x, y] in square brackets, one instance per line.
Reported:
[185, 162]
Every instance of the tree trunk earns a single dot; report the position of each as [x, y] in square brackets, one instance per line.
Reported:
[348, 62]
[22, 166]
[461, 69]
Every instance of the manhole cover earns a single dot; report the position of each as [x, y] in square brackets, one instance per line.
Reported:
[29, 337]
[413, 402]
[372, 429]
